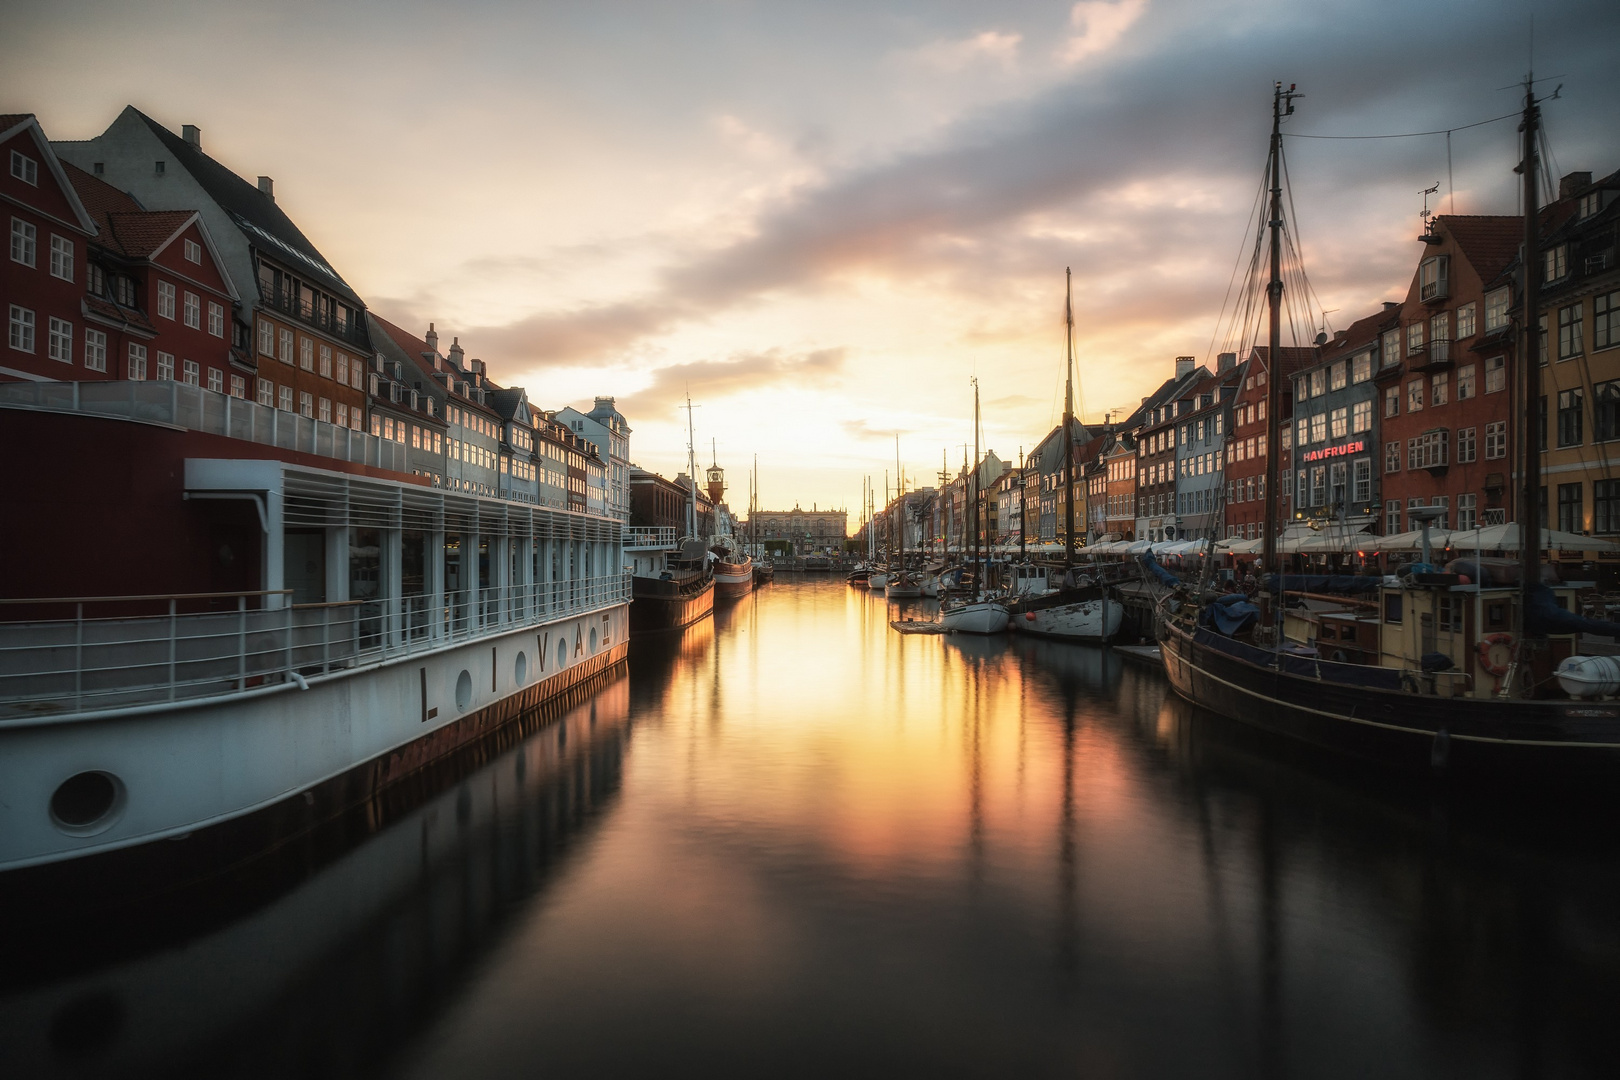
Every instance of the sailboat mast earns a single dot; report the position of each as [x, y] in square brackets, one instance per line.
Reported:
[1068, 421]
[978, 571]
[1282, 104]
[1530, 495]
[691, 472]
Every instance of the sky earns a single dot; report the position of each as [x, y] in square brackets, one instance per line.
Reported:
[822, 219]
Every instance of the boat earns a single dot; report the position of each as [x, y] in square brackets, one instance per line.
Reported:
[764, 569]
[1421, 669]
[903, 585]
[733, 571]
[1078, 608]
[818, 563]
[670, 584]
[975, 615]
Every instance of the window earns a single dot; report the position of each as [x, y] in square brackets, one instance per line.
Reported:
[1427, 451]
[1440, 336]
[1363, 480]
[157, 168]
[1465, 321]
[1392, 517]
[1392, 457]
[1339, 375]
[1570, 343]
[1392, 401]
[1465, 382]
[216, 380]
[137, 362]
[1319, 425]
[1432, 278]
[24, 242]
[1466, 445]
[1570, 516]
[1467, 514]
[1495, 374]
[1318, 485]
[1414, 395]
[1555, 263]
[306, 354]
[286, 394]
[216, 319]
[324, 412]
[22, 329]
[24, 168]
[1318, 383]
[1341, 422]
[193, 311]
[1391, 347]
[59, 340]
[306, 404]
[267, 393]
[267, 338]
[1606, 506]
[356, 421]
[326, 361]
[165, 367]
[1361, 367]
[342, 371]
[190, 373]
[342, 415]
[1496, 309]
[1495, 440]
[286, 353]
[238, 386]
[1439, 387]
[62, 258]
[165, 300]
[95, 350]
[1414, 339]
[1571, 404]
[1606, 411]
[1606, 320]
[193, 251]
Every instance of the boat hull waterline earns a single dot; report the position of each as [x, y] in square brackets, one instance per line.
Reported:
[1089, 621]
[983, 617]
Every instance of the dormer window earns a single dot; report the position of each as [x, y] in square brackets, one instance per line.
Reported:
[1555, 263]
[24, 168]
[1434, 278]
[1590, 204]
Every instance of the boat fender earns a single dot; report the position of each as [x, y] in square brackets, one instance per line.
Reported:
[1486, 649]
[1029, 616]
[1440, 752]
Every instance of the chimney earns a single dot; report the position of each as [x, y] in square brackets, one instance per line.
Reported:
[193, 135]
[478, 371]
[432, 339]
[1225, 361]
[1388, 304]
[268, 186]
[1184, 366]
[1569, 185]
[456, 352]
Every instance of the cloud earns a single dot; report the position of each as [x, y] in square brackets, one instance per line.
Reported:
[956, 55]
[587, 333]
[861, 430]
[1098, 25]
[709, 380]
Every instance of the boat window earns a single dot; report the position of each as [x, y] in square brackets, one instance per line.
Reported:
[1496, 614]
[1392, 608]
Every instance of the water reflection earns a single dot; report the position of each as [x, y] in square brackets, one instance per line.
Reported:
[837, 849]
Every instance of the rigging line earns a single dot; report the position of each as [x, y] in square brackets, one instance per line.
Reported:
[1236, 263]
[1406, 134]
[1451, 187]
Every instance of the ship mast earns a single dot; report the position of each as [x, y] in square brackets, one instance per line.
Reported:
[978, 569]
[1530, 478]
[1068, 422]
[1282, 104]
[691, 473]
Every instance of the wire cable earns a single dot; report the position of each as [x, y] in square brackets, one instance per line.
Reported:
[1406, 134]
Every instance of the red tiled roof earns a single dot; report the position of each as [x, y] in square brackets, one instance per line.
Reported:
[1361, 332]
[111, 312]
[1488, 242]
[124, 226]
[1294, 357]
[11, 120]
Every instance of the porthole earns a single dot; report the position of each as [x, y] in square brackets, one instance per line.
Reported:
[562, 655]
[593, 640]
[464, 689]
[520, 669]
[87, 803]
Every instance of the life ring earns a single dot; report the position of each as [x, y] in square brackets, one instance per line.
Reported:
[1488, 643]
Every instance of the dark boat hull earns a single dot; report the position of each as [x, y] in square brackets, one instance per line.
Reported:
[1389, 724]
[657, 605]
[732, 588]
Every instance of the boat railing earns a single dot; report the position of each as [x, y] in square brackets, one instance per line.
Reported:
[66, 656]
[196, 409]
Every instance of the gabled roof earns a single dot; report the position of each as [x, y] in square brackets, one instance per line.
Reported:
[401, 344]
[1488, 242]
[10, 125]
[1294, 357]
[254, 212]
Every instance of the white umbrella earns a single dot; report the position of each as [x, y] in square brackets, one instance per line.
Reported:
[1138, 546]
[1507, 538]
[1409, 541]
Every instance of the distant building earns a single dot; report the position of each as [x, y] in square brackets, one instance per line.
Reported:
[802, 530]
[605, 428]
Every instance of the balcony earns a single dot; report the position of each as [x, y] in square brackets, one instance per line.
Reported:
[321, 318]
[196, 409]
[1434, 356]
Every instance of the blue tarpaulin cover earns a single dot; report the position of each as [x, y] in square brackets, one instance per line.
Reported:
[1544, 616]
[1230, 614]
[1158, 571]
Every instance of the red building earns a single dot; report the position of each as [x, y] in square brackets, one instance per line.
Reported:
[1445, 374]
[1246, 503]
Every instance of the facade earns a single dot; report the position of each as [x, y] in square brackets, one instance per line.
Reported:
[605, 428]
[1200, 452]
[1056, 480]
[1246, 503]
[1118, 460]
[409, 363]
[1445, 376]
[1334, 421]
[1156, 517]
[1580, 295]
[659, 503]
[801, 530]
[299, 333]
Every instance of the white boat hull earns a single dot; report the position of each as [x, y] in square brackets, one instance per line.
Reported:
[877, 581]
[983, 617]
[1092, 621]
[902, 592]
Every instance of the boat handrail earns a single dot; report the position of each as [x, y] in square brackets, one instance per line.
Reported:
[134, 598]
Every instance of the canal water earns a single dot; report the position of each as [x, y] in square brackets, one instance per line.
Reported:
[792, 842]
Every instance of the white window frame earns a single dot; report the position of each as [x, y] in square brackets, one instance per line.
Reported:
[286, 353]
[216, 380]
[239, 387]
[266, 394]
[95, 350]
[216, 319]
[165, 304]
[1495, 440]
[61, 257]
[137, 362]
[193, 252]
[59, 340]
[165, 367]
[24, 168]
[306, 404]
[286, 398]
[190, 373]
[1465, 321]
[20, 335]
[267, 338]
[24, 242]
